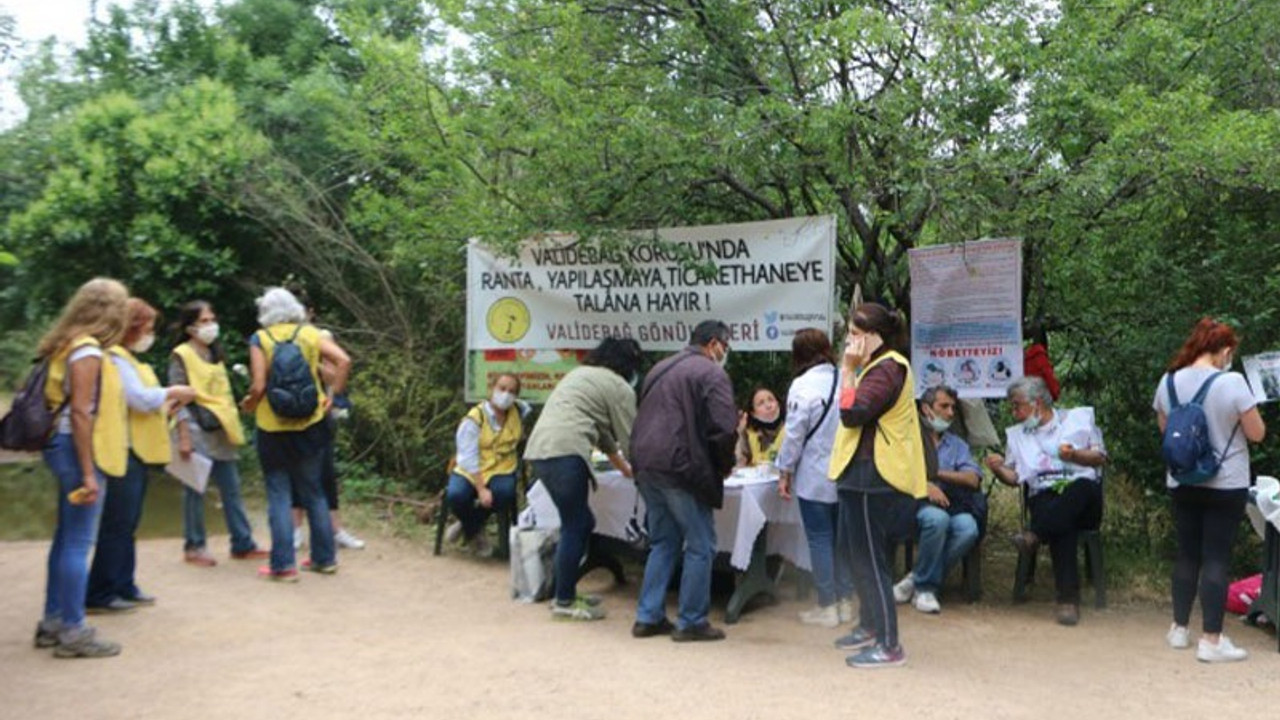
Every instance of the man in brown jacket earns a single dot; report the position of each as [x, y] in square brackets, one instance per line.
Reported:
[682, 447]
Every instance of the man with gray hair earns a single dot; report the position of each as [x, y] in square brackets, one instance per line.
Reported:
[1057, 455]
[950, 519]
[682, 442]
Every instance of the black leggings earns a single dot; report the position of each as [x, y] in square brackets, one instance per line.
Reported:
[867, 525]
[1206, 521]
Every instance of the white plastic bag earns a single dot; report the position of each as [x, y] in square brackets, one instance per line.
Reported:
[533, 552]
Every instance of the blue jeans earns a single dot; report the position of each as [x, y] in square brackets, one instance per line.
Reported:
[568, 480]
[461, 496]
[74, 537]
[831, 574]
[943, 541]
[111, 575]
[227, 476]
[677, 521]
[304, 478]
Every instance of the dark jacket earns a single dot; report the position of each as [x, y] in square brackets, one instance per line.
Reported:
[686, 426]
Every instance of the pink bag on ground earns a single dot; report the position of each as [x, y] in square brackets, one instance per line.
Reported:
[1242, 593]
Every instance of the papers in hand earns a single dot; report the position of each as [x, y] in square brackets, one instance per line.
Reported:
[193, 471]
[744, 476]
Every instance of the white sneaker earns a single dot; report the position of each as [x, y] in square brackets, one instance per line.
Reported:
[299, 538]
[345, 539]
[827, 617]
[1178, 637]
[1224, 651]
[844, 608]
[453, 532]
[927, 602]
[905, 588]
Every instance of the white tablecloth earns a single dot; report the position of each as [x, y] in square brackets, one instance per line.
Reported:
[748, 504]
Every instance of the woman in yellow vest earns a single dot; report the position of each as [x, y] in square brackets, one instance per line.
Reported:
[878, 463]
[484, 470]
[88, 440]
[210, 428]
[761, 429]
[291, 449]
[111, 577]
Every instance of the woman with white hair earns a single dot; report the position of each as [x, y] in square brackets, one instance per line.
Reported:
[284, 364]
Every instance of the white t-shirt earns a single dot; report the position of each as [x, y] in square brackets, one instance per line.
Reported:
[80, 353]
[1034, 454]
[1228, 399]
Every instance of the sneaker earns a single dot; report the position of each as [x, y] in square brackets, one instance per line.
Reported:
[877, 656]
[114, 606]
[254, 554]
[1068, 614]
[453, 532]
[330, 569]
[284, 576]
[299, 538]
[827, 617]
[200, 557]
[698, 633]
[481, 546]
[140, 598]
[47, 633]
[577, 610]
[903, 591]
[592, 600]
[646, 630]
[1223, 651]
[81, 643]
[1178, 637]
[927, 602]
[856, 640]
[845, 610]
[345, 539]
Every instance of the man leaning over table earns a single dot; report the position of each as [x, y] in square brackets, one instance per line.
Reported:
[682, 446]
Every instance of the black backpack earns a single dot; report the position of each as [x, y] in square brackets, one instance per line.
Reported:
[291, 389]
[29, 422]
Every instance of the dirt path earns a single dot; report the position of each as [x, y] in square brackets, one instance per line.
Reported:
[399, 633]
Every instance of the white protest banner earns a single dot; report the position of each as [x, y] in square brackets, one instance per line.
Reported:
[966, 329]
[770, 279]
[1263, 372]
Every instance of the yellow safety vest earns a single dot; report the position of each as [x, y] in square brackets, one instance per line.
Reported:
[148, 431]
[760, 454]
[110, 435]
[899, 445]
[213, 390]
[497, 449]
[308, 341]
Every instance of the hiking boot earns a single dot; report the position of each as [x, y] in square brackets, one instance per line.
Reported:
[47, 633]
[1026, 542]
[345, 539]
[856, 640]
[877, 656]
[845, 610]
[577, 610]
[903, 591]
[254, 554]
[927, 602]
[1223, 651]
[1068, 614]
[453, 532]
[81, 643]
[646, 630]
[1178, 637]
[698, 633]
[827, 617]
[200, 558]
[114, 606]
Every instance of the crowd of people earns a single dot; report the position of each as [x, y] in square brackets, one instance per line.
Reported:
[868, 465]
[114, 422]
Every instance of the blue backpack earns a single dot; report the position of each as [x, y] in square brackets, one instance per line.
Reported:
[291, 389]
[1186, 448]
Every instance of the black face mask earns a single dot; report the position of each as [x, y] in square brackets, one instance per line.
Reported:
[762, 425]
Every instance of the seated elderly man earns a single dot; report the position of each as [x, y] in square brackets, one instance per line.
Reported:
[1056, 454]
[950, 518]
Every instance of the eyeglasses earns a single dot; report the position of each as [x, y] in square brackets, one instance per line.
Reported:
[1015, 404]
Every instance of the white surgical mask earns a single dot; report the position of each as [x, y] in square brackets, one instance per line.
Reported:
[502, 399]
[206, 334]
[939, 425]
[635, 380]
[143, 344]
[725, 357]
[1031, 423]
